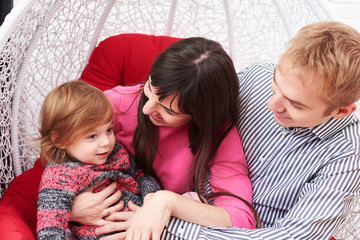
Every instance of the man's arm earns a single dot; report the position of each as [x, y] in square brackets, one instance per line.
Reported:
[320, 208]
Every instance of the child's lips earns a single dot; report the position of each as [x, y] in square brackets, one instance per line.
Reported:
[103, 154]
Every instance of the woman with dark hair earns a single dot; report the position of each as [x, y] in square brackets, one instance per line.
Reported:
[181, 127]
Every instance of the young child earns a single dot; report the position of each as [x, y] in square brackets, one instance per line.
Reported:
[78, 141]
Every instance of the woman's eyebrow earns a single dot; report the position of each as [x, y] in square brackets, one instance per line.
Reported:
[149, 85]
[170, 110]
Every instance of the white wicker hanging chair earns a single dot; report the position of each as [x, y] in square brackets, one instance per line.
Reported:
[46, 42]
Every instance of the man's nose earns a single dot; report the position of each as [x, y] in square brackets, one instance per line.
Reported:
[276, 104]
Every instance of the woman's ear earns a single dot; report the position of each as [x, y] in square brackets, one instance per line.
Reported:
[344, 111]
[54, 138]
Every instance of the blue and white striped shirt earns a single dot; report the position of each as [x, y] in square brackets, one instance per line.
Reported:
[304, 179]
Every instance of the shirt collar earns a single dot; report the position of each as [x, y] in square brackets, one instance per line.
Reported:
[328, 128]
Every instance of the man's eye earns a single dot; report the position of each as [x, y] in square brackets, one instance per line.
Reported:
[295, 106]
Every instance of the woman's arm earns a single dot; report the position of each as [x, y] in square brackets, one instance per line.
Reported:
[229, 173]
[150, 220]
[192, 210]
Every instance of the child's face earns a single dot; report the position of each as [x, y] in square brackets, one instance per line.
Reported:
[94, 147]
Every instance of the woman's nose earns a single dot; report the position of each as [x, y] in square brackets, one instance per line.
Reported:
[149, 107]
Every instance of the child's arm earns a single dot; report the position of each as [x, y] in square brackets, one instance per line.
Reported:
[148, 184]
[54, 204]
[58, 187]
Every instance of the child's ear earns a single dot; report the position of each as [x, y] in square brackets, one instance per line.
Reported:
[344, 111]
[54, 138]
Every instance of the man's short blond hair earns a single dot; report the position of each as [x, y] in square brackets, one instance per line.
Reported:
[329, 51]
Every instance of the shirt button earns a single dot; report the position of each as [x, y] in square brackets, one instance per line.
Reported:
[181, 230]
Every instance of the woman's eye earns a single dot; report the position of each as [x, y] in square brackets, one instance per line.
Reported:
[170, 113]
[110, 130]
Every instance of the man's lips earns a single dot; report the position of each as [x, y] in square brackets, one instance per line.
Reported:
[281, 117]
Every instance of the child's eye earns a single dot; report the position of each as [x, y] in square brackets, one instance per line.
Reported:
[110, 130]
[93, 136]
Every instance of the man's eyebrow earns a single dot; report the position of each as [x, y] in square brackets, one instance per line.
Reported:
[294, 102]
[274, 75]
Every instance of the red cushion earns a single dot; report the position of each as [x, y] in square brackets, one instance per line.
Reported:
[119, 60]
[18, 205]
[111, 64]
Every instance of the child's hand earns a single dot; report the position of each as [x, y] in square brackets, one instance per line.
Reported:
[91, 208]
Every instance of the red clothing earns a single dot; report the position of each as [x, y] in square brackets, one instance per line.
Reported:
[228, 168]
[60, 183]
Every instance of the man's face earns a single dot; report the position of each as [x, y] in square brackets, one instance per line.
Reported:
[293, 103]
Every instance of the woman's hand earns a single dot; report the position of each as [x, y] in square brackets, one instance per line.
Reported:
[146, 222]
[91, 208]
[150, 220]
[120, 221]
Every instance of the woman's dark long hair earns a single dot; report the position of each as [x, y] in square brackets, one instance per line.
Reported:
[201, 74]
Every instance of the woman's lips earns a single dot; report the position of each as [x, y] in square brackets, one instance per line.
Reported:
[156, 118]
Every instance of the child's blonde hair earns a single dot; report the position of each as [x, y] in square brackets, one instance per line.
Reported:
[69, 111]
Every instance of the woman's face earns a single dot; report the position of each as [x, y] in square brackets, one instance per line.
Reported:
[165, 112]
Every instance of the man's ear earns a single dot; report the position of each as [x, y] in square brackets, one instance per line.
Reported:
[54, 139]
[344, 111]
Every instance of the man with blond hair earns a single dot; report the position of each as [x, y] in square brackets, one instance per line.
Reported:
[301, 138]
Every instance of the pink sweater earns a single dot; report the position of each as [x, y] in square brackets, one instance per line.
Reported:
[229, 169]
